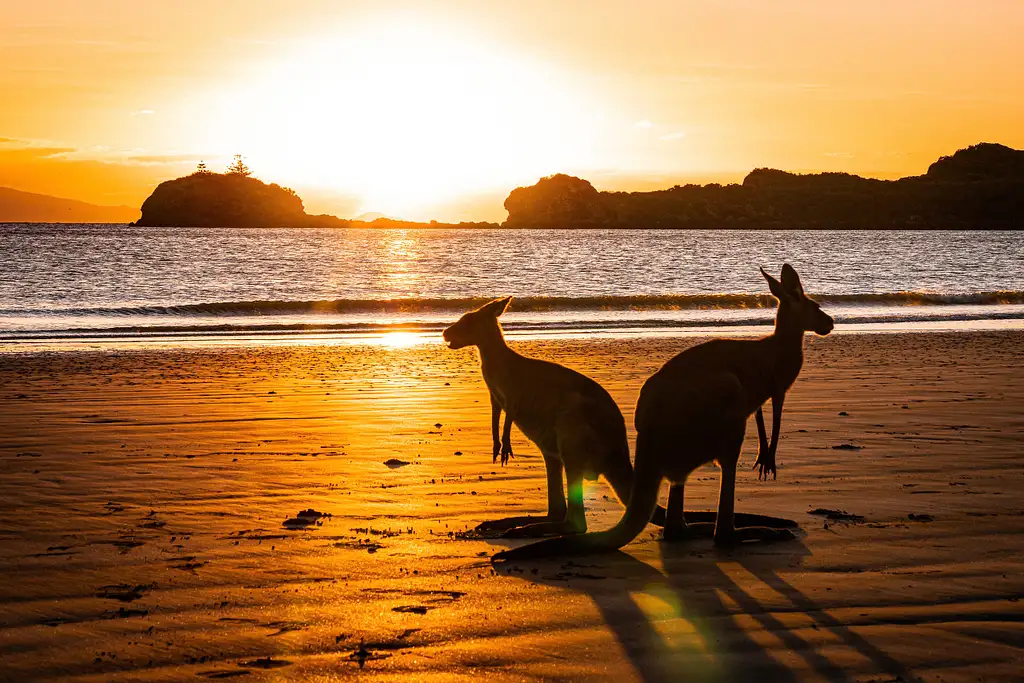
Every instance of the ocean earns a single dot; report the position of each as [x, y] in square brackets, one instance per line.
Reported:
[74, 283]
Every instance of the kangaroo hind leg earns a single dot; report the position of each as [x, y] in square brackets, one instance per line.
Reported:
[556, 504]
[726, 533]
[573, 522]
[575, 448]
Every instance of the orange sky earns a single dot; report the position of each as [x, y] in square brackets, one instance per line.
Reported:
[439, 112]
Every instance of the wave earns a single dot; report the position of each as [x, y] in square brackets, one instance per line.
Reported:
[527, 304]
[514, 327]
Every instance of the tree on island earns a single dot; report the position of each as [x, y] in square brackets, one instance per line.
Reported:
[238, 167]
[201, 168]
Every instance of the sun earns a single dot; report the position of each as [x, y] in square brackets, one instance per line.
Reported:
[405, 114]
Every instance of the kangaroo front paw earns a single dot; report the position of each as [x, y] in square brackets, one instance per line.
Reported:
[765, 465]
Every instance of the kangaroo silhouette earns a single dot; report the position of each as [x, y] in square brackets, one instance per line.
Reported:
[693, 411]
[575, 423]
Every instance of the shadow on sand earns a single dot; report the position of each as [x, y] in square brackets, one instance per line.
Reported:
[700, 619]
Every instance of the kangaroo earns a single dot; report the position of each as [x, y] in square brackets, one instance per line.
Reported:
[575, 423]
[693, 411]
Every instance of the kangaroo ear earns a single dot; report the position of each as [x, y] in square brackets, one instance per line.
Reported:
[498, 306]
[790, 280]
[774, 285]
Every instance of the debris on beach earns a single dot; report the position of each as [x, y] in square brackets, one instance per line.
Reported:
[364, 654]
[395, 463]
[410, 609]
[265, 663]
[920, 517]
[305, 518]
[123, 592]
[837, 515]
[847, 447]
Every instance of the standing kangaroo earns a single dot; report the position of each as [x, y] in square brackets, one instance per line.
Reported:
[693, 411]
[572, 419]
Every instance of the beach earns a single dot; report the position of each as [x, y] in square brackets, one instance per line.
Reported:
[151, 529]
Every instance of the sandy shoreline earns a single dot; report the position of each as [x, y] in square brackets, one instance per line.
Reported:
[144, 492]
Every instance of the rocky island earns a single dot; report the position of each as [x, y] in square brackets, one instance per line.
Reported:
[233, 200]
[977, 188]
[981, 187]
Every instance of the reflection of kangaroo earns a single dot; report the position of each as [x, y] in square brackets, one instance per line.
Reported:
[570, 417]
[694, 410]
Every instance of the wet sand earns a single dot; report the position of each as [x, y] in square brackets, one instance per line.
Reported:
[150, 526]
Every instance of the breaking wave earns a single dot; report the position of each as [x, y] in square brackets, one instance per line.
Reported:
[642, 302]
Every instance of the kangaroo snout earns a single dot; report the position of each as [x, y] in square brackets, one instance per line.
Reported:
[448, 336]
[825, 326]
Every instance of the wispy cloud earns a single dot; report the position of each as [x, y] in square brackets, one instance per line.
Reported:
[643, 123]
[678, 135]
[40, 149]
[143, 112]
[36, 149]
[162, 158]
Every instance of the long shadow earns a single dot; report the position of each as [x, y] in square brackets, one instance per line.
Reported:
[749, 558]
[881, 659]
[676, 625]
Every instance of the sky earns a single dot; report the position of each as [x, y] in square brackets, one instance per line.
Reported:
[436, 110]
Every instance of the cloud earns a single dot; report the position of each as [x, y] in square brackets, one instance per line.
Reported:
[14, 148]
[162, 158]
[678, 135]
[143, 112]
[38, 149]
[18, 150]
[643, 123]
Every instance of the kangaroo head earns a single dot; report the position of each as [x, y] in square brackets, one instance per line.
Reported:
[795, 308]
[477, 326]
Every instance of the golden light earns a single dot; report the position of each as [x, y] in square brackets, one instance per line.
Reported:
[405, 114]
[401, 340]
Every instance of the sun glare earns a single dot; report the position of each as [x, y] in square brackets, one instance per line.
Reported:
[402, 340]
[406, 115]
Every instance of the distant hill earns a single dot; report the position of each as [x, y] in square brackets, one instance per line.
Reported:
[981, 187]
[369, 216]
[28, 207]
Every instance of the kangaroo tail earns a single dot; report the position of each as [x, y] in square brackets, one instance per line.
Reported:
[620, 477]
[642, 501]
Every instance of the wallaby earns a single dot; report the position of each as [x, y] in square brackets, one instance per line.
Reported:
[693, 411]
[575, 423]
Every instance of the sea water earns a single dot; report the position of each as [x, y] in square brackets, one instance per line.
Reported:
[71, 281]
